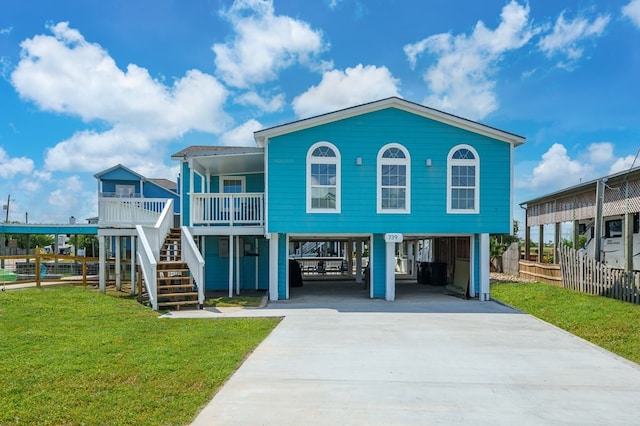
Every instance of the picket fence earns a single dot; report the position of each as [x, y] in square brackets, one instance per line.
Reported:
[587, 275]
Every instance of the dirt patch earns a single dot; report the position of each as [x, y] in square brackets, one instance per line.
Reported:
[497, 277]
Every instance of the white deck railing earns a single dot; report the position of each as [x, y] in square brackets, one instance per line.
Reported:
[129, 211]
[227, 209]
[191, 255]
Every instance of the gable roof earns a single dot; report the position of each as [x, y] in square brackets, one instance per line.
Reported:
[262, 136]
[165, 184]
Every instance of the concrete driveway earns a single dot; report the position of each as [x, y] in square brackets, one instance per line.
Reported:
[439, 361]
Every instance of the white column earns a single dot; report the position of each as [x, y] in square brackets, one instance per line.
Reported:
[390, 293]
[237, 261]
[102, 267]
[230, 265]
[118, 266]
[359, 244]
[273, 267]
[133, 264]
[483, 269]
[286, 268]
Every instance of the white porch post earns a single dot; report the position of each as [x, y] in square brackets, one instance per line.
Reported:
[483, 268]
[390, 293]
[117, 265]
[237, 262]
[273, 267]
[102, 253]
[133, 265]
[230, 265]
[359, 244]
[191, 191]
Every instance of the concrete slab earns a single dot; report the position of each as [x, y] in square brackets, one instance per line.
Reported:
[437, 361]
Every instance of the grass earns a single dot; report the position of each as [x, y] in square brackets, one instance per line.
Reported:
[69, 355]
[243, 301]
[609, 323]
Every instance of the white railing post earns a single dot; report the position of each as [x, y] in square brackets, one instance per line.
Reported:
[228, 209]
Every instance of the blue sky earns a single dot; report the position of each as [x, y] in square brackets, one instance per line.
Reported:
[89, 84]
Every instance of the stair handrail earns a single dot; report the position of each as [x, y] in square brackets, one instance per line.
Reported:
[148, 265]
[194, 260]
[151, 239]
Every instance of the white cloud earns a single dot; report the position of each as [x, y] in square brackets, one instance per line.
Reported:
[566, 37]
[334, 3]
[241, 135]
[264, 44]
[460, 81]
[624, 163]
[10, 167]
[66, 74]
[34, 182]
[275, 103]
[558, 170]
[632, 11]
[339, 89]
[601, 152]
[6, 30]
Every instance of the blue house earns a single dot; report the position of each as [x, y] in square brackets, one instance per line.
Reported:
[378, 187]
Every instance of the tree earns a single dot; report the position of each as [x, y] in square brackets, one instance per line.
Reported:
[89, 243]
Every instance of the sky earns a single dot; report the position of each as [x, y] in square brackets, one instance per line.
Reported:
[88, 84]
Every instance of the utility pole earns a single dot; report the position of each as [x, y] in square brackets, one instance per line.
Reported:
[6, 220]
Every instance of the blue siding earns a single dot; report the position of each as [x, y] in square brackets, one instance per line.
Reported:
[119, 174]
[217, 267]
[379, 278]
[363, 136]
[109, 185]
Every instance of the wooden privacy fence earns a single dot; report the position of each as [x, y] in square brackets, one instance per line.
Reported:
[547, 273]
[587, 275]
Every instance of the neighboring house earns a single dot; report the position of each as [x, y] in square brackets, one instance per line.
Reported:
[604, 211]
[386, 180]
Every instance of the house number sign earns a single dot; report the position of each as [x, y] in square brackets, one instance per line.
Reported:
[393, 238]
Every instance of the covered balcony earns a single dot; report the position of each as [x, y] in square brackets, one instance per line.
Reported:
[243, 209]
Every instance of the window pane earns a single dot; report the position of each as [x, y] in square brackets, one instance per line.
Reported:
[323, 151]
[323, 198]
[232, 186]
[393, 198]
[463, 154]
[393, 153]
[463, 199]
[323, 174]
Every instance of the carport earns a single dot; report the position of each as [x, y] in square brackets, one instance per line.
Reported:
[339, 266]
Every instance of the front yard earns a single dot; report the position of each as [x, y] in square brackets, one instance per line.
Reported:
[73, 356]
[608, 323]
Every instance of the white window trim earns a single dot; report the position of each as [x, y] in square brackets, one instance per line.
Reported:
[326, 160]
[451, 162]
[243, 179]
[400, 161]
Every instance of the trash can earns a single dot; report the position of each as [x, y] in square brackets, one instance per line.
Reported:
[424, 273]
[438, 273]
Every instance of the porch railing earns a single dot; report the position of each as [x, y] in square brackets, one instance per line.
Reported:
[228, 209]
[129, 211]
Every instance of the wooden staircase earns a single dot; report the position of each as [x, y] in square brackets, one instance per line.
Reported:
[175, 286]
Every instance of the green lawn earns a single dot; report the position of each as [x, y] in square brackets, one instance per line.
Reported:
[608, 323]
[69, 355]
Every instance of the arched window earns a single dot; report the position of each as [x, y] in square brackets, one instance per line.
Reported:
[323, 178]
[394, 179]
[463, 180]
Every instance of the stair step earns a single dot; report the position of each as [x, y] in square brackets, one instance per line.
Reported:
[179, 294]
[169, 264]
[180, 271]
[178, 303]
[174, 279]
[173, 286]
